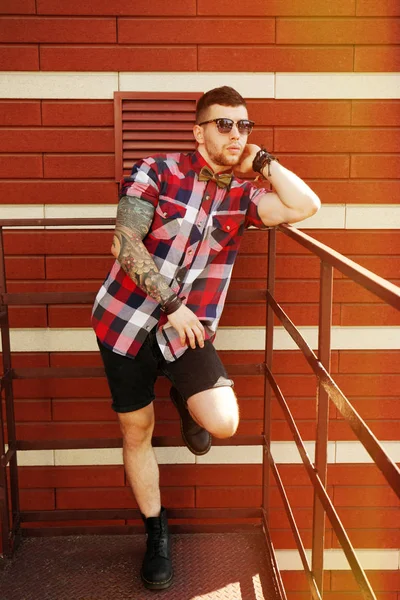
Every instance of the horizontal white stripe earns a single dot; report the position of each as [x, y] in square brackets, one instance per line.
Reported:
[335, 559]
[250, 85]
[284, 453]
[228, 338]
[331, 216]
[343, 338]
[38, 85]
[363, 216]
[337, 85]
[98, 85]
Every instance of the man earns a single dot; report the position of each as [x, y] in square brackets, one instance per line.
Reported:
[179, 223]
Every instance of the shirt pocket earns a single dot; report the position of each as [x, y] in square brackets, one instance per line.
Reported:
[168, 218]
[226, 231]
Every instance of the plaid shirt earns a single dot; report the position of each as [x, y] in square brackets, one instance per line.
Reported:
[194, 239]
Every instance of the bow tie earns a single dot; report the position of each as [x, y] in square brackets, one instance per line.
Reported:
[223, 180]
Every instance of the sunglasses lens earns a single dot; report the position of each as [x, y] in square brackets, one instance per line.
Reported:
[245, 127]
[224, 125]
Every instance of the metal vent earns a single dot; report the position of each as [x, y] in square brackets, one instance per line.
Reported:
[151, 123]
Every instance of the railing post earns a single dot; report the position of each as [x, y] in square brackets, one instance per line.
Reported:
[269, 335]
[9, 530]
[321, 446]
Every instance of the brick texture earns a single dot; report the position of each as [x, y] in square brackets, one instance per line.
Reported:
[122, 7]
[276, 8]
[275, 58]
[377, 58]
[118, 58]
[347, 150]
[337, 31]
[195, 31]
[19, 112]
[60, 31]
[75, 113]
[19, 57]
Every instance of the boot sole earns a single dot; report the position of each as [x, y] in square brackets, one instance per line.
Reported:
[196, 452]
[151, 585]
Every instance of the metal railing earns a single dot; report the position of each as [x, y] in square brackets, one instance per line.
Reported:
[11, 516]
[327, 389]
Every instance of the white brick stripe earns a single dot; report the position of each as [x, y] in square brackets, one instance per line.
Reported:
[98, 85]
[228, 338]
[337, 85]
[284, 453]
[371, 558]
[331, 216]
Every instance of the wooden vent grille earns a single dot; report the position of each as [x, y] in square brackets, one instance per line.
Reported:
[151, 123]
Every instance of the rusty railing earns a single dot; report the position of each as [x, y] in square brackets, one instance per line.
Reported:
[327, 389]
[11, 516]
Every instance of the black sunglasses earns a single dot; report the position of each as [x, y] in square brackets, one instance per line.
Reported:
[245, 127]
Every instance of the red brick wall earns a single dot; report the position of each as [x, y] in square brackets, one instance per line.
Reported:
[62, 152]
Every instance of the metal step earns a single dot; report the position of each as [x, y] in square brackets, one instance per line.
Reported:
[207, 566]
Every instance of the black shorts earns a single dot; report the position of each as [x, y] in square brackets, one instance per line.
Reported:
[131, 381]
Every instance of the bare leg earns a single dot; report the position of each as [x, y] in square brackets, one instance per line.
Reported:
[139, 459]
[216, 410]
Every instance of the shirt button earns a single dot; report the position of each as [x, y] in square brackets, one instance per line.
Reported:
[190, 251]
[178, 278]
[207, 197]
[165, 214]
[228, 227]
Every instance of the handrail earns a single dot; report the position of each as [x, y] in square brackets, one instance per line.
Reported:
[320, 363]
[328, 389]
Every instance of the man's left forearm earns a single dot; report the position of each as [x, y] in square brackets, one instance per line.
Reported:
[292, 191]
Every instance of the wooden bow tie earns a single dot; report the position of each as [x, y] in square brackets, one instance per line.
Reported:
[223, 180]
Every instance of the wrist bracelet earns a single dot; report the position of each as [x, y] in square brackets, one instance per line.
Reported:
[171, 305]
[262, 158]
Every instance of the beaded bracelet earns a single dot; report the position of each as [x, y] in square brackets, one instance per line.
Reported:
[171, 305]
[262, 158]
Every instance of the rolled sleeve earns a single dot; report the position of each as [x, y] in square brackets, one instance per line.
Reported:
[252, 217]
[143, 182]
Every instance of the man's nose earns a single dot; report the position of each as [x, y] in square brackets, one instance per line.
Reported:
[234, 133]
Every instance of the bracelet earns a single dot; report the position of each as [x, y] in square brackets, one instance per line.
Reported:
[171, 305]
[262, 158]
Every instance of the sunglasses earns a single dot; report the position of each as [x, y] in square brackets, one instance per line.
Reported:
[245, 127]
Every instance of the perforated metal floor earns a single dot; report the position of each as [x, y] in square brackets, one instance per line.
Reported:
[231, 566]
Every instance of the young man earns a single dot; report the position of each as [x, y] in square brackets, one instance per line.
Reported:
[179, 224]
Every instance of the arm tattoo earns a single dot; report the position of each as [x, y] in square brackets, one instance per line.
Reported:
[134, 217]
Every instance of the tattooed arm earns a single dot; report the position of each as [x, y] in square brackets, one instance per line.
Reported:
[134, 217]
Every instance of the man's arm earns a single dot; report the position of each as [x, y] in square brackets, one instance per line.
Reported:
[293, 201]
[134, 218]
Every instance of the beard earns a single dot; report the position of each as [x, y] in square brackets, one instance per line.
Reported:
[225, 160]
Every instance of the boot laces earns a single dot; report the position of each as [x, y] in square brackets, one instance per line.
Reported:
[155, 541]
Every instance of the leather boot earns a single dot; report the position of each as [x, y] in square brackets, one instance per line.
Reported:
[157, 573]
[197, 439]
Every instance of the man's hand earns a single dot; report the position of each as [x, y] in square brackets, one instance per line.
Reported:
[244, 168]
[188, 326]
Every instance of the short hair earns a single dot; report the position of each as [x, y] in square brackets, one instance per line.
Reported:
[225, 96]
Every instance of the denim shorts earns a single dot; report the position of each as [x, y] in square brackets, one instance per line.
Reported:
[131, 380]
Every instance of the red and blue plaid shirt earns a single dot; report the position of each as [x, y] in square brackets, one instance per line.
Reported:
[194, 239]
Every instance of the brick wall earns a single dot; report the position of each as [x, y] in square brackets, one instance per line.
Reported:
[338, 133]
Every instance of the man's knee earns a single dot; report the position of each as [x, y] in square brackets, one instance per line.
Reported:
[216, 410]
[137, 426]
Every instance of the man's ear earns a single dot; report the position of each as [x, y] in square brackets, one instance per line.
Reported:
[198, 134]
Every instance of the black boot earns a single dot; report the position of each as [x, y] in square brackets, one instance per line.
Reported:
[157, 570]
[197, 439]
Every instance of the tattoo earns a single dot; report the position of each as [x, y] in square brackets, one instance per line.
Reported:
[134, 217]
